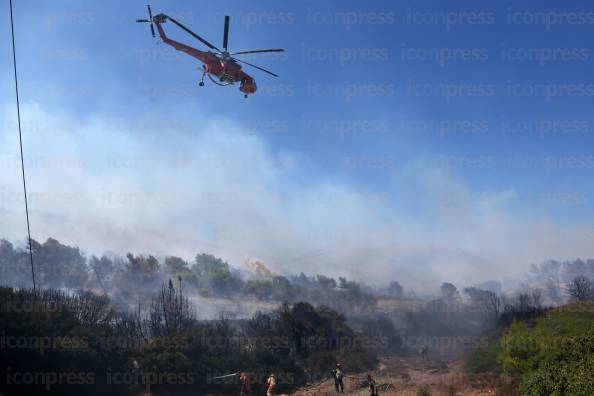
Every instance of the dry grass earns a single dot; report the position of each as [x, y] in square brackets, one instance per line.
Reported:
[404, 377]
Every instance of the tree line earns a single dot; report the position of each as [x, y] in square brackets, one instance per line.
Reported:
[133, 277]
[54, 342]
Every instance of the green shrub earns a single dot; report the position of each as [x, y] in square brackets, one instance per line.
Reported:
[556, 357]
[423, 391]
[484, 359]
[451, 390]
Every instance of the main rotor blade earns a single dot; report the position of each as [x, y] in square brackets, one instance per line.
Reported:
[226, 34]
[203, 41]
[257, 67]
[152, 30]
[258, 51]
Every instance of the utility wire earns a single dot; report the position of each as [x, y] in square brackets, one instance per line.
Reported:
[16, 87]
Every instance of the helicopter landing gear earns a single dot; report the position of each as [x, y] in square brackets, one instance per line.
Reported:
[245, 96]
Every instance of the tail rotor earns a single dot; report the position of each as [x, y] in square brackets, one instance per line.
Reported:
[150, 20]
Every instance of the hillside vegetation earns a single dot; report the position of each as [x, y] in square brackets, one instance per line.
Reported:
[551, 354]
[72, 344]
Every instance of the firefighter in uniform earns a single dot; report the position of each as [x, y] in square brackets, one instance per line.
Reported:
[372, 386]
[270, 385]
[246, 385]
[338, 376]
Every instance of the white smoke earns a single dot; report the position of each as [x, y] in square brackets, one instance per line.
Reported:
[109, 184]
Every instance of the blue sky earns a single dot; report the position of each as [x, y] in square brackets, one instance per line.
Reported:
[434, 131]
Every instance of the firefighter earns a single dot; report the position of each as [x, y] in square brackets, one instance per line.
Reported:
[270, 385]
[246, 385]
[372, 386]
[423, 352]
[338, 376]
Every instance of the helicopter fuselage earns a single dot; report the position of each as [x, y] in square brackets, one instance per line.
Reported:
[227, 72]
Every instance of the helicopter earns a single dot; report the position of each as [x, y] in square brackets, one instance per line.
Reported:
[221, 67]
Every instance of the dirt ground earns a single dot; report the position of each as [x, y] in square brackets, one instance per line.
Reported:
[404, 377]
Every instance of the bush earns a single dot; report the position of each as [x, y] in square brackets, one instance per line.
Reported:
[556, 357]
[451, 390]
[423, 391]
[484, 359]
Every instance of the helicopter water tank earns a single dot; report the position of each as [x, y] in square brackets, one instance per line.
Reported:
[248, 86]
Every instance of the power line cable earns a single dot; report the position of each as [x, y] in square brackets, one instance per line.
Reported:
[16, 87]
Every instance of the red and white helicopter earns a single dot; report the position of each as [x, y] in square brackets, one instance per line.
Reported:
[220, 66]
